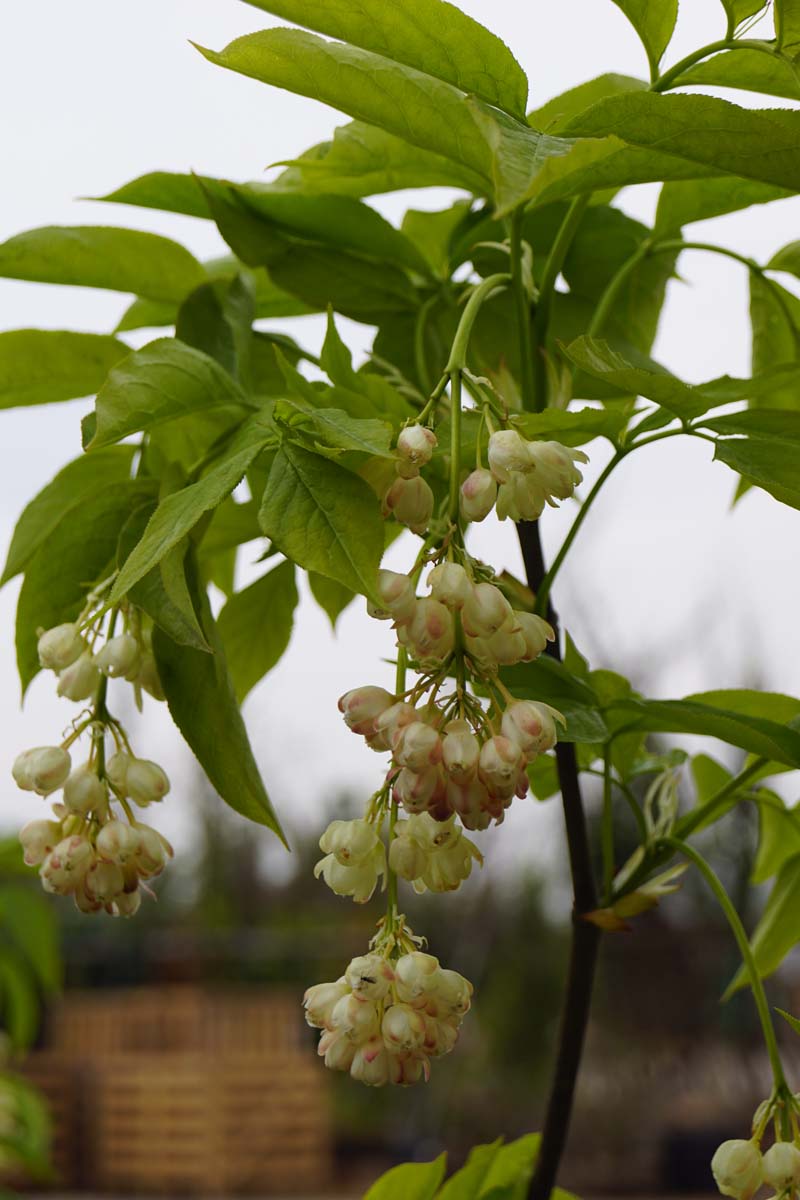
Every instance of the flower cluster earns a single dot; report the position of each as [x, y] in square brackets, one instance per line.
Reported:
[449, 756]
[522, 478]
[739, 1167]
[101, 857]
[385, 1019]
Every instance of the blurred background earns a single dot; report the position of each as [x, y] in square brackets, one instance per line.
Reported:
[176, 1059]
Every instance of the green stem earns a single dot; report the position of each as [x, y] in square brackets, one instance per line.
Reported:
[744, 948]
[707, 811]
[391, 877]
[552, 269]
[455, 445]
[530, 393]
[607, 830]
[484, 290]
[668, 79]
[613, 288]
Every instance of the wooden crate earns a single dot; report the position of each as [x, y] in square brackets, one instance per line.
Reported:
[193, 1123]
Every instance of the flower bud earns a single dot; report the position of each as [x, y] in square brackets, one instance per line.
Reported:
[355, 1017]
[781, 1166]
[320, 1000]
[350, 842]
[153, 853]
[84, 902]
[80, 680]
[480, 652]
[485, 610]
[42, 770]
[338, 1050]
[118, 842]
[450, 584]
[408, 1069]
[147, 782]
[478, 495]
[85, 792]
[454, 994]
[370, 976]
[417, 975]
[555, 467]
[531, 726]
[470, 800]
[38, 838]
[371, 1063]
[147, 676]
[362, 706]
[737, 1169]
[389, 724]
[500, 761]
[416, 444]
[440, 1037]
[521, 499]
[120, 657]
[417, 747]
[127, 904]
[430, 635]
[67, 864]
[460, 751]
[398, 597]
[508, 455]
[410, 501]
[536, 632]
[507, 646]
[406, 856]
[418, 790]
[60, 646]
[117, 772]
[104, 882]
[403, 1028]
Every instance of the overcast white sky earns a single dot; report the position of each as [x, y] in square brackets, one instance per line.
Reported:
[663, 576]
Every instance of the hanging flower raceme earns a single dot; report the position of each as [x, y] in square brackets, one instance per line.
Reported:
[389, 1014]
[523, 478]
[740, 1167]
[102, 857]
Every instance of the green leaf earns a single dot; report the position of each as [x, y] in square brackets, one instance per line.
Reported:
[682, 202]
[750, 70]
[553, 116]
[756, 734]
[256, 625]
[78, 549]
[778, 837]
[511, 1169]
[411, 1181]
[466, 1183]
[703, 130]
[787, 259]
[433, 233]
[163, 593]
[202, 702]
[42, 366]
[549, 680]
[122, 260]
[422, 110]
[787, 23]
[777, 931]
[432, 36]
[71, 487]
[178, 514]
[19, 1003]
[573, 426]
[28, 921]
[363, 161]
[740, 10]
[775, 318]
[654, 23]
[767, 424]
[687, 401]
[324, 518]
[217, 319]
[337, 429]
[331, 596]
[165, 379]
[771, 465]
[793, 1021]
